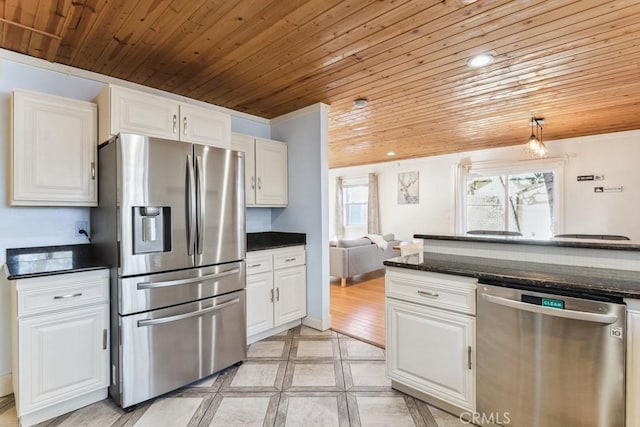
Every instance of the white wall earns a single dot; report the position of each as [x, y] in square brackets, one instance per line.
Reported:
[305, 132]
[28, 227]
[615, 155]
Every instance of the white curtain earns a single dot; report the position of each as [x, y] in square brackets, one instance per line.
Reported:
[338, 213]
[373, 206]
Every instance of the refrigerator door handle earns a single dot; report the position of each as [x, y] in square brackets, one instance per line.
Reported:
[191, 206]
[153, 285]
[200, 206]
[151, 322]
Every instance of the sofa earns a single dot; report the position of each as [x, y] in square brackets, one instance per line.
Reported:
[351, 257]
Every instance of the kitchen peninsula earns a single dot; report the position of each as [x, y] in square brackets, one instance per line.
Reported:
[471, 314]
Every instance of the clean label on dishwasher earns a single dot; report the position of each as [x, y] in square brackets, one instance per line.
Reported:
[545, 302]
[553, 303]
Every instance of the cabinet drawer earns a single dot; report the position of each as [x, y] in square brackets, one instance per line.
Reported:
[289, 258]
[259, 263]
[444, 291]
[42, 294]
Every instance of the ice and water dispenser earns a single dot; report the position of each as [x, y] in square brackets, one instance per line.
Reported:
[151, 229]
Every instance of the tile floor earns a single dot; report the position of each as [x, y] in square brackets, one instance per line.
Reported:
[301, 377]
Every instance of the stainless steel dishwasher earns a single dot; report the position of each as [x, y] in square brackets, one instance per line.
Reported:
[549, 360]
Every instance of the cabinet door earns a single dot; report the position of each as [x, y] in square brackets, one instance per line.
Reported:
[633, 368]
[432, 350]
[204, 126]
[271, 173]
[53, 151]
[62, 356]
[259, 303]
[140, 113]
[291, 294]
[245, 143]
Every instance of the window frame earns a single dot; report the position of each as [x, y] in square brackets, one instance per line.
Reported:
[515, 167]
[353, 182]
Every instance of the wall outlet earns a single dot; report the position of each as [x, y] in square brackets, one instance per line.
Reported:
[81, 225]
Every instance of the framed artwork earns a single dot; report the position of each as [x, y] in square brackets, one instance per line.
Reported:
[408, 188]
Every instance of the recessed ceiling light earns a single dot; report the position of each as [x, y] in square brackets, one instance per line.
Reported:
[391, 153]
[480, 60]
[360, 102]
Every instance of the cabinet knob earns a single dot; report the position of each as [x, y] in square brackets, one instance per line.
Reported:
[175, 123]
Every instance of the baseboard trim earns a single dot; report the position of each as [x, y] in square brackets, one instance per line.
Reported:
[6, 385]
[316, 323]
[262, 335]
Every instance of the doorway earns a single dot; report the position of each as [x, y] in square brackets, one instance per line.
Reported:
[357, 310]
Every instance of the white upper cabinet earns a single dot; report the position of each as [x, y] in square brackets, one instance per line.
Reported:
[203, 126]
[130, 111]
[271, 173]
[246, 144]
[265, 170]
[53, 149]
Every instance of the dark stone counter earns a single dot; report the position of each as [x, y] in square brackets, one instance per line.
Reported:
[23, 263]
[551, 278]
[618, 245]
[274, 239]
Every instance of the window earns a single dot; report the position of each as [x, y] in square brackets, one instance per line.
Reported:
[355, 204]
[516, 198]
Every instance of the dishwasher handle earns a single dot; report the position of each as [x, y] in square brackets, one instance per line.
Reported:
[567, 314]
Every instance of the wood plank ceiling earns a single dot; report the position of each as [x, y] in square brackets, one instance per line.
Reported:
[575, 63]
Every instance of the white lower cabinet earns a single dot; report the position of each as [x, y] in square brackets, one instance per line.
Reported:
[60, 348]
[276, 290]
[430, 346]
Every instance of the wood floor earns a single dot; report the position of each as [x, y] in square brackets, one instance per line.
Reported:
[358, 309]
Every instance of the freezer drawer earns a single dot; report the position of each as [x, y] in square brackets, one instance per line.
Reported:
[153, 291]
[165, 349]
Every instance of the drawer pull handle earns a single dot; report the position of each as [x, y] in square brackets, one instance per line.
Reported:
[175, 123]
[79, 294]
[271, 295]
[469, 357]
[198, 313]
[152, 285]
[290, 259]
[277, 294]
[255, 265]
[428, 294]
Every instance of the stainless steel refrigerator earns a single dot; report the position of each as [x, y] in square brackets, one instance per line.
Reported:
[170, 221]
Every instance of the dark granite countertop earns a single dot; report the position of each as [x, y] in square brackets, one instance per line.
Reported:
[618, 245]
[274, 239]
[528, 275]
[23, 263]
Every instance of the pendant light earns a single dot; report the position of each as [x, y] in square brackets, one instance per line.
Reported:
[534, 146]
